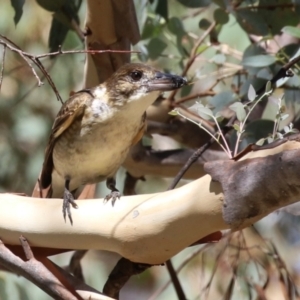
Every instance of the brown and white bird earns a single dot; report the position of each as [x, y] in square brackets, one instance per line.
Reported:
[95, 128]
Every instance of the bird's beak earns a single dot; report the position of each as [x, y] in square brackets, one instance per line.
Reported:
[166, 82]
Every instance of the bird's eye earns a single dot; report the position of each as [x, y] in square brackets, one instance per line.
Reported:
[136, 75]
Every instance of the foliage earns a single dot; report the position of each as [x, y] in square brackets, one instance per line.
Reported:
[229, 51]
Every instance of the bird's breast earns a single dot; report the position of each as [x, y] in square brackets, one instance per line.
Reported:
[93, 148]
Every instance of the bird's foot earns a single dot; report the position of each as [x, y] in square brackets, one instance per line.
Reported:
[67, 202]
[113, 195]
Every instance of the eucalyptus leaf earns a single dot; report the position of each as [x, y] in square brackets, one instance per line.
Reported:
[176, 27]
[283, 117]
[259, 61]
[221, 100]
[51, 5]
[221, 16]
[156, 47]
[264, 73]
[239, 109]
[162, 9]
[260, 142]
[202, 111]
[292, 30]
[252, 22]
[194, 3]
[251, 93]
[268, 89]
[57, 35]
[219, 59]
[173, 112]
[18, 7]
[236, 127]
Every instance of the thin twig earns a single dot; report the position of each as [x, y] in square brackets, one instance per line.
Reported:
[193, 55]
[179, 268]
[196, 95]
[36, 59]
[35, 271]
[2, 67]
[175, 280]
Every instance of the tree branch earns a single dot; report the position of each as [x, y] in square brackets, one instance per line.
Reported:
[177, 213]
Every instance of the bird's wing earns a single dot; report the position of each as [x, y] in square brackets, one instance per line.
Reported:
[72, 109]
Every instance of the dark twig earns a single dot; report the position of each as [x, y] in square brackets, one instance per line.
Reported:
[175, 280]
[7, 43]
[194, 55]
[121, 273]
[75, 266]
[192, 159]
[2, 67]
[34, 271]
[26, 248]
[283, 72]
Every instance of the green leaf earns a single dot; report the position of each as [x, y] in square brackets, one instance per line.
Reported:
[204, 23]
[194, 3]
[51, 5]
[219, 116]
[57, 35]
[156, 47]
[268, 89]
[162, 9]
[202, 111]
[219, 59]
[251, 93]
[260, 142]
[18, 7]
[152, 28]
[176, 27]
[239, 109]
[221, 100]
[221, 16]
[283, 117]
[286, 129]
[252, 22]
[173, 112]
[291, 30]
[259, 61]
[264, 73]
[236, 127]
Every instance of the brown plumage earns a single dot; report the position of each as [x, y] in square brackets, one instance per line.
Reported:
[95, 128]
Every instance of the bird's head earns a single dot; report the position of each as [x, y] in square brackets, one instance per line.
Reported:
[134, 82]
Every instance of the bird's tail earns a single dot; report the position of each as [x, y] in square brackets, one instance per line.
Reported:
[39, 192]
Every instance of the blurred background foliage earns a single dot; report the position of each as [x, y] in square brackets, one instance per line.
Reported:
[234, 43]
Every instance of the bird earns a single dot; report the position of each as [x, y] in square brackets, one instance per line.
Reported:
[95, 128]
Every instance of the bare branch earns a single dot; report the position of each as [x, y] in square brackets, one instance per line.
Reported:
[121, 273]
[36, 272]
[2, 67]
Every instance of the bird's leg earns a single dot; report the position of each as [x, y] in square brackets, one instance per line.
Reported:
[114, 194]
[68, 199]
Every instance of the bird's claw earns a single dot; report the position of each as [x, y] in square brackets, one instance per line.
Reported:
[113, 195]
[67, 202]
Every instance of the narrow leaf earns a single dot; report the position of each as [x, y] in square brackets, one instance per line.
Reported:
[236, 127]
[204, 112]
[18, 7]
[291, 30]
[162, 9]
[251, 93]
[239, 109]
[268, 87]
[259, 61]
[194, 3]
[260, 142]
[173, 112]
